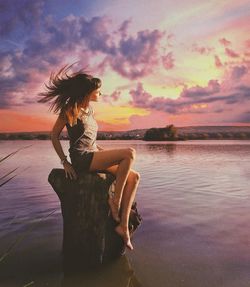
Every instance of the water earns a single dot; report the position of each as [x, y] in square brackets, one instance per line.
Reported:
[193, 197]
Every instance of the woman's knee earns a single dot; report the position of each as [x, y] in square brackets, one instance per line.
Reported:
[130, 153]
[134, 177]
[137, 176]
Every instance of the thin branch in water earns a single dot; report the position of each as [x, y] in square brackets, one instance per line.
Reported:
[19, 239]
[7, 180]
[13, 153]
[12, 176]
[8, 173]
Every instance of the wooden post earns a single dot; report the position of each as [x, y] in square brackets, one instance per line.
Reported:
[89, 238]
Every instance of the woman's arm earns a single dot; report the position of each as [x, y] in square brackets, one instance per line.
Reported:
[58, 127]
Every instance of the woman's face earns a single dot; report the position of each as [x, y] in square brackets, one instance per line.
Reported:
[94, 95]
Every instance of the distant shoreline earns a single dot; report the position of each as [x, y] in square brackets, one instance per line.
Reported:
[183, 133]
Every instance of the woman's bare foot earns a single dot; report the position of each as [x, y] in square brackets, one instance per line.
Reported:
[124, 233]
[114, 207]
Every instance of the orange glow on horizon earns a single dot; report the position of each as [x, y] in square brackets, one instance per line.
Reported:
[12, 121]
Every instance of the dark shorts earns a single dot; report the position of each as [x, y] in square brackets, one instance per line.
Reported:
[82, 162]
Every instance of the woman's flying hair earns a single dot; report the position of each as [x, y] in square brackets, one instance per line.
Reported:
[69, 92]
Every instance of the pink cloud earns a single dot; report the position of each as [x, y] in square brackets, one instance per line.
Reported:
[225, 42]
[217, 61]
[201, 49]
[115, 95]
[168, 61]
[231, 53]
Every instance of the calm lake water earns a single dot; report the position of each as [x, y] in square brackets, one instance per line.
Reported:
[194, 199]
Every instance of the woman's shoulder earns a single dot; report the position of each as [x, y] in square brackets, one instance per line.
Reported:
[87, 111]
[92, 111]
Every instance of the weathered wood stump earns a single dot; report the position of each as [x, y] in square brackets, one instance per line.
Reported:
[89, 238]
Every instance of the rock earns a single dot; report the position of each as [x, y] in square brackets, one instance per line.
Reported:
[89, 238]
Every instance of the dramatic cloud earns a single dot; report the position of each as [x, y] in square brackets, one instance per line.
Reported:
[131, 57]
[137, 56]
[197, 99]
[185, 82]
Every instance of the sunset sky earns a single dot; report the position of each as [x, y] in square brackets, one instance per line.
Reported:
[182, 62]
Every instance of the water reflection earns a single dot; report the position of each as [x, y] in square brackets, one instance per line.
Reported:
[118, 273]
[194, 199]
[168, 148]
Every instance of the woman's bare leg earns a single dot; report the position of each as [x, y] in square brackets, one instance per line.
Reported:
[106, 158]
[128, 197]
[124, 189]
[126, 203]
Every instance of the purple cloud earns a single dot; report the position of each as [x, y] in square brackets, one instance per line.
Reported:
[19, 15]
[96, 36]
[137, 56]
[200, 92]
[140, 98]
[131, 57]
[238, 72]
[212, 94]
[123, 29]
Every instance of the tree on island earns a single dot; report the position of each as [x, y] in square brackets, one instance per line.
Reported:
[161, 134]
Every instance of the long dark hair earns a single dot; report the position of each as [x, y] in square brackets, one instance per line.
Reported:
[69, 92]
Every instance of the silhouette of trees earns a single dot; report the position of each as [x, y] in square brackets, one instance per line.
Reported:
[161, 134]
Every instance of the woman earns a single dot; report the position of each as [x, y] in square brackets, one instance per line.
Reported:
[72, 95]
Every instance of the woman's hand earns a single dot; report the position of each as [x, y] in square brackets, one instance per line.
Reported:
[69, 171]
[99, 148]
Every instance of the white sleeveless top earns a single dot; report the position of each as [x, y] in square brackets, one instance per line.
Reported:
[83, 133]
